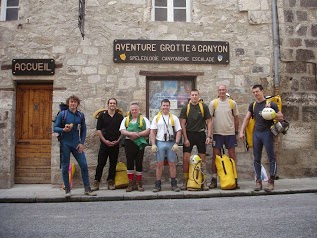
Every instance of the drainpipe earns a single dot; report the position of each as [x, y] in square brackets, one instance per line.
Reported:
[275, 48]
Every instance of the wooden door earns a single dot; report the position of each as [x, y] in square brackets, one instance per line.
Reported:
[33, 133]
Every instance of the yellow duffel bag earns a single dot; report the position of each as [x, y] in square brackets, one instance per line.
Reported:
[121, 179]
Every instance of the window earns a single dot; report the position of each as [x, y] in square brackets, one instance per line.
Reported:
[175, 88]
[9, 10]
[171, 10]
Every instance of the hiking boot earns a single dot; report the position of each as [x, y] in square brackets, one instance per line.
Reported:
[184, 187]
[139, 186]
[157, 186]
[95, 186]
[111, 185]
[258, 185]
[270, 185]
[204, 186]
[89, 192]
[130, 186]
[134, 186]
[174, 185]
[67, 193]
[213, 183]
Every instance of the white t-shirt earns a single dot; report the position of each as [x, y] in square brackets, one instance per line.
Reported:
[133, 121]
[164, 125]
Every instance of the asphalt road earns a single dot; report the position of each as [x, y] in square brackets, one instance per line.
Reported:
[290, 216]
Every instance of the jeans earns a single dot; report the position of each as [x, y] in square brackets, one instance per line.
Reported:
[81, 159]
[265, 138]
[165, 148]
[105, 152]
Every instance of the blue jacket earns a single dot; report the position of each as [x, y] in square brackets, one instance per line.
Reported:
[78, 133]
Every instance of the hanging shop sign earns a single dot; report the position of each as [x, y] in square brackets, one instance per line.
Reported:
[33, 67]
[170, 51]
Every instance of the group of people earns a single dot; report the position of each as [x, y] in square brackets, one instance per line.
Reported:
[198, 124]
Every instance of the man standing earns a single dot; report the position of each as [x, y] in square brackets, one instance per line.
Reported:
[262, 135]
[136, 128]
[165, 136]
[108, 125]
[71, 126]
[225, 123]
[193, 118]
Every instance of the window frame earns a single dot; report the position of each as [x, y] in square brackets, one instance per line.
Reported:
[170, 11]
[190, 81]
[3, 10]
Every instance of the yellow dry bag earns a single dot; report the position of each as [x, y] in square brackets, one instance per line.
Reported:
[121, 179]
[227, 173]
[195, 174]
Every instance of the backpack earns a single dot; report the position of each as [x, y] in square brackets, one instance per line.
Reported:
[63, 108]
[201, 107]
[97, 113]
[230, 103]
[127, 121]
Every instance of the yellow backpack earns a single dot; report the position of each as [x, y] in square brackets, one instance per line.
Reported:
[159, 114]
[230, 103]
[127, 121]
[200, 103]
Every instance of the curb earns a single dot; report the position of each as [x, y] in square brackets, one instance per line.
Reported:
[154, 196]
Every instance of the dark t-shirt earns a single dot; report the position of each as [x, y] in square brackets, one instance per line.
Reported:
[109, 125]
[195, 121]
[260, 123]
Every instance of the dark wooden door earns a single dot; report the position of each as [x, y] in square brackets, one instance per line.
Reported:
[33, 133]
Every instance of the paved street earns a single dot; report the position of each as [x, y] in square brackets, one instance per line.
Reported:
[291, 216]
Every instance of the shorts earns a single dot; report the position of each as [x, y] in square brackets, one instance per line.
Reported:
[229, 141]
[198, 139]
[164, 148]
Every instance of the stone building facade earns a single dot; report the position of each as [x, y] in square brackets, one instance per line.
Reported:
[85, 67]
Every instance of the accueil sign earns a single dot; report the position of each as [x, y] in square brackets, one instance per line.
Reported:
[170, 51]
[33, 66]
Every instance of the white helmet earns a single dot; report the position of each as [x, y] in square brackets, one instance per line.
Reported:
[268, 113]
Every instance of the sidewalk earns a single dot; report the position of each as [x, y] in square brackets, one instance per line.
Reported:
[32, 193]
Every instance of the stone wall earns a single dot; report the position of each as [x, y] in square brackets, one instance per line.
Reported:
[298, 49]
[87, 68]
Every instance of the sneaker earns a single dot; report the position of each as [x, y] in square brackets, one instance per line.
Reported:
[213, 183]
[67, 193]
[95, 186]
[111, 185]
[139, 186]
[89, 192]
[174, 185]
[130, 186]
[270, 185]
[157, 186]
[258, 185]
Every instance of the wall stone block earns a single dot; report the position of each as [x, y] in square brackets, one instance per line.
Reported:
[295, 42]
[305, 55]
[246, 5]
[309, 114]
[259, 17]
[314, 30]
[301, 15]
[289, 16]
[301, 30]
[308, 84]
[299, 136]
[291, 113]
[308, 3]
[311, 43]
[296, 67]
